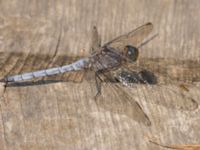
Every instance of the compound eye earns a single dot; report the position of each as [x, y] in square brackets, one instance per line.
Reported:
[131, 52]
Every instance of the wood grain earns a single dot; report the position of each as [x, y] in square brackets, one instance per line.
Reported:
[63, 115]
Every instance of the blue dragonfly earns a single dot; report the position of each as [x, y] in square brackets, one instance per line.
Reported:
[112, 62]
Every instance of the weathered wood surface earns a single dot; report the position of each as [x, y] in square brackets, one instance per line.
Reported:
[64, 115]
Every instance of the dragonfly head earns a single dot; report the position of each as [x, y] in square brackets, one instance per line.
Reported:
[131, 52]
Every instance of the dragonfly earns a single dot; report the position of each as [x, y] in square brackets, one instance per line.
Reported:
[113, 62]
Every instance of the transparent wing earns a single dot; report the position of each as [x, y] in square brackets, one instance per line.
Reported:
[95, 40]
[118, 101]
[14, 63]
[133, 38]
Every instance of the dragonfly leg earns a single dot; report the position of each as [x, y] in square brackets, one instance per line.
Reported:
[98, 85]
[3, 88]
[5, 84]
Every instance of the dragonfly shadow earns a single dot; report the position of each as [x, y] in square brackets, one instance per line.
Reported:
[33, 83]
[142, 77]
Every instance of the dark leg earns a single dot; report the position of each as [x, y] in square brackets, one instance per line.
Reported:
[98, 85]
[5, 85]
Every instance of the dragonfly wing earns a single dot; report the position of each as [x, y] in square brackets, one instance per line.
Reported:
[118, 101]
[96, 40]
[133, 38]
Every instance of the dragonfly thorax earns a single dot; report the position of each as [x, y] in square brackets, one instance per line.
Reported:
[106, 59]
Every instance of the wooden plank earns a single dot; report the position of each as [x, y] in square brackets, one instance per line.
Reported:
[40, 34]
